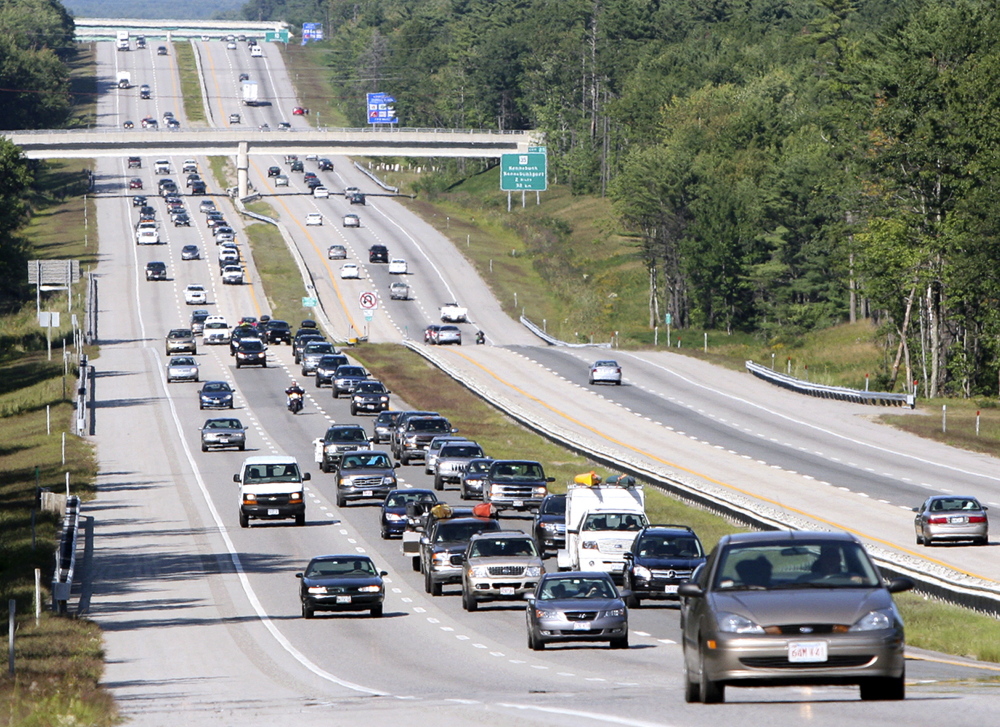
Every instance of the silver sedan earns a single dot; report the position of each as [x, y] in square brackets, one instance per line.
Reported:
[182, 368]
[608, 372]
[577, 607]
[952, 518]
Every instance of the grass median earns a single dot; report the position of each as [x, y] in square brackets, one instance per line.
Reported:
[194, 108]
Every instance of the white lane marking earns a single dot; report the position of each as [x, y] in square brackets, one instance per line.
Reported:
[595, 716]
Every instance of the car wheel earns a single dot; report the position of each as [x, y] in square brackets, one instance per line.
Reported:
[354, 411]
[711, 692]
[244, 520]
[403, 459]
[438, 483]
[204, 447]
[469, 602]
[427, 581]
[633, 601]
[341, 501]
[920, 540]
[590, 381]
[927, 542]
[317, 382]
[323, 468]
[535, 643]
[883, 689]
[300, 519]
[376, 611]
[243, 447]
[230, 405]
[384, 534]
[336, 394]
[306, 611]
[618, 383]
[436, 588]
[621, 643]
[692, 692]
[985, 540]
[201, 406]
[237, 364]
[416, 563]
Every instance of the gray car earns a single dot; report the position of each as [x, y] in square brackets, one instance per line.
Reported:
[222, 434]
[364, 475]
[576, 607]
[312, 354]
[369, 396]
[951, 518]
[791, 608]
[181, 340]
[345, 378]
[499, 566]
[182, 368]
[607, 372]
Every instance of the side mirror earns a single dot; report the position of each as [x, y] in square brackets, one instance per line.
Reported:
[898, 585]
[306, 477]
[298, 575]
[425, 540]
[624, 593]
[383, 572]
[916, 509]
[550, 479]
[530, 598]
[396, 465]
[689, 589]
[629, 556]
[236, 479]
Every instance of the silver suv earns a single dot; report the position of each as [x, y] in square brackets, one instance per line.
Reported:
[452, 460]
[499, 566]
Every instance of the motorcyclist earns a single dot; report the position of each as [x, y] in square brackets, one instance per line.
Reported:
[480, 337]
[294, 391]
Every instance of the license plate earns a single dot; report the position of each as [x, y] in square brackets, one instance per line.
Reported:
[617, 567]
[585, 626]
[366, 493]
[670, 589]
[506, 591]
[272, 511]
[807, 651]
[343, 599]
[958, 520]
[518, 503]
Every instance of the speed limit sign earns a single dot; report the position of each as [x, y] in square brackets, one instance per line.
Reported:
[368, 300]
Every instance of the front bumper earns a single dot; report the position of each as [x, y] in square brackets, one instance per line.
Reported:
[216, 403]
[600, 629]
[342, 601]
[274, 512]
[365, 492]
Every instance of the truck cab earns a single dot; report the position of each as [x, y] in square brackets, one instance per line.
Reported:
[271, 489]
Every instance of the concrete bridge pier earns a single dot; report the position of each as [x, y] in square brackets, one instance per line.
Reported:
[243, 170]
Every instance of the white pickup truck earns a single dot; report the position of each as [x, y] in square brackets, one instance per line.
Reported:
[454, 313]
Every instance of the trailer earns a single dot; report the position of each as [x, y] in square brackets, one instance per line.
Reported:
[250, 93]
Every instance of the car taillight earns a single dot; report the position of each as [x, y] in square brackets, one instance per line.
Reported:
[939, 520]
[977, 519]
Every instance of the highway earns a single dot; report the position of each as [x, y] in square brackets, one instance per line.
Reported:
[201, 617]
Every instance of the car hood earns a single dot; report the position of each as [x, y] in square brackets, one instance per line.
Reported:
[346, 583]
[369, 472]
[807, 605]
[215, 394]
[580, 604]
[667, 563]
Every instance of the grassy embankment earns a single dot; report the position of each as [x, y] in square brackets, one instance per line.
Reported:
[194, 109]
[59, 662]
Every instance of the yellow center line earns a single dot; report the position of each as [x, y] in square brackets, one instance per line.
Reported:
[720, 483]
[952, 662]
[312, 242]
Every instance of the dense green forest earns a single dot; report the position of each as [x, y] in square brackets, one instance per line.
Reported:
[783, 165]
[35, 37]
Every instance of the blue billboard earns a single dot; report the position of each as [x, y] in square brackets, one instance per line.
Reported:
[311, 32]
[381, 109]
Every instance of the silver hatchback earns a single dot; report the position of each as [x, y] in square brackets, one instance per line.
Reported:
[951, 518]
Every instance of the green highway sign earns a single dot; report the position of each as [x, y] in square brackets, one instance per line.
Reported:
[280, 36]
[523, 172]
[309, 302]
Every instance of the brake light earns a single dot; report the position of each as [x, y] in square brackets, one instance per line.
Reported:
[938, 520]
[977, 518]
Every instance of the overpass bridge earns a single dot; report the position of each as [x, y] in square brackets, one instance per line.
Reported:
[95, 29]
[244, 143]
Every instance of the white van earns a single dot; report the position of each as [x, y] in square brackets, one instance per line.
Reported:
[256, 51]
[271, 489]
[147, 236]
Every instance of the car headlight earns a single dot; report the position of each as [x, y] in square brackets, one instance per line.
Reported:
[395, 517]
[479, 571]
[733, 623]
[589, 545]
[550, 527]
[370, 589]
[317, 589]
[543, 614]
[613, 612]
[383, 399]
[249, 497]
[541, 491]
[389, 480]
[533, 571]
[642, 572]
[874, 621]
[441, 558]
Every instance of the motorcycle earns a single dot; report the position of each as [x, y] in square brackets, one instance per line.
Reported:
[295, 403]
[480, 338]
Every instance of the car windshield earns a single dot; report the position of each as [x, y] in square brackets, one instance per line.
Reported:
[216, 386]
[262, 473]
[460, 531]
[560, 588]
[669, 546]
[496, 548]
[350, 371]
[461, 450]
[429, 425]
[349, 567]
[505, 471]
[180, 334]
[625, 522]
[347, 435]
[606, 364]
[319, 347]
[399, 499]
[223, 424]
[182, 361]
[370, 387]
[376, 460]
[553, 506]
[252, 344]
[795, 564]
[951, 504]
[479, 467]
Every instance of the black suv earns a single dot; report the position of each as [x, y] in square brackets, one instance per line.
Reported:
[327, 367]
[370, 396]
[278, 332]
[378, 254]
[661, 558]
[338, 439]
[156, 271]
[251, 352]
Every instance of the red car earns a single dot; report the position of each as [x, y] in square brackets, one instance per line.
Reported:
[299, 111]
[135, 183]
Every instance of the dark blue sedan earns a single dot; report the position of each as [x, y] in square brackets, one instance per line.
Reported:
[215, 395]
[393, 517]
[341, 583]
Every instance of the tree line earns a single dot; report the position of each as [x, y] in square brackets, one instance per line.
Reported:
[36, 36]
[784, 165]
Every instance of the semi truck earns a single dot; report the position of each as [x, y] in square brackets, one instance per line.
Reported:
[122, 40]
[602, 520]
[250, 93]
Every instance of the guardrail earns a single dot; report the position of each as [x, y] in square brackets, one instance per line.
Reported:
[83, 378]
[937, 581]
[841, 393]
[553, 341]
[62, 579]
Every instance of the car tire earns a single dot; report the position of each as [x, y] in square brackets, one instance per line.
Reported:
[317, 382]
[307, 612]
[376, 611]
[618, 383]
[427, 581]
[535, 643]
[591, 382]
[243, 447]
[438, 483]
[300, 519]
[237, 364]
[469, 602]
[403, 459]
[230, 405]
[204, 447]
[985, 540]
[436, 588]
[711, 692]
[201, 406]
[384, 534]
[341, 500]
[633, 601]
[416, 563]
[920, 540]
[883, 689]
[692, 692]
[621, 643]
[336, 394]
[323, 468]
[244, 520]
[354, 411]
